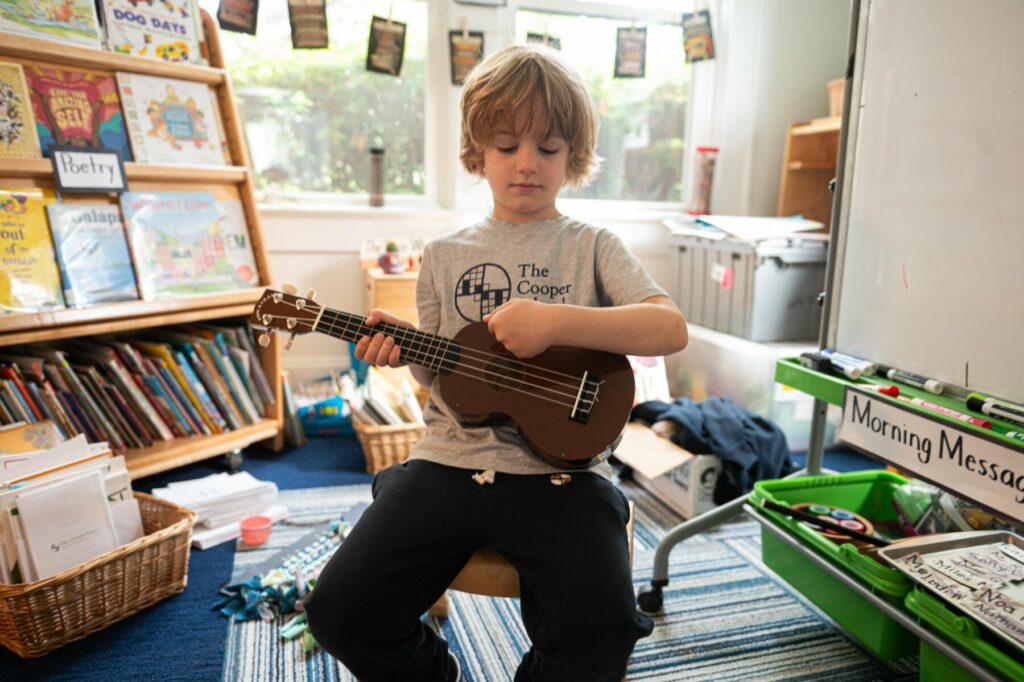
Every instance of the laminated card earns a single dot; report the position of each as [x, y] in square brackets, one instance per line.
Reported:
[29, 279]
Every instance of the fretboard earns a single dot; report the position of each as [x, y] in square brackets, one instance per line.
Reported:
[436, 353]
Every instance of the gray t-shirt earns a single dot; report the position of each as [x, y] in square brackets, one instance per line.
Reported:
[469, 273]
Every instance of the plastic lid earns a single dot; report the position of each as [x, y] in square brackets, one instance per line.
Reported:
[707, 149]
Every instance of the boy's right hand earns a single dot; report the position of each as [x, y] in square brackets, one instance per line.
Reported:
[378, 349]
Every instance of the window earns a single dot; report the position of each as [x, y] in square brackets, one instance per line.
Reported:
[642, 119]
[311, 116]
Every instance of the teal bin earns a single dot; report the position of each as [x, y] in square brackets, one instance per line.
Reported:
[964, 632]
[868, 493]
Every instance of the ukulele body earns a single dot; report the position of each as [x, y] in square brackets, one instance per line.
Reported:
[546, 396]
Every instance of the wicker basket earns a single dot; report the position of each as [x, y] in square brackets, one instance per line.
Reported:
[38, 617]
[387, 445]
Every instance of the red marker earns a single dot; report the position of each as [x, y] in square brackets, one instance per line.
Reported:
[891, 391]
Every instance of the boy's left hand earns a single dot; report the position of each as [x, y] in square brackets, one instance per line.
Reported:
[526, 328]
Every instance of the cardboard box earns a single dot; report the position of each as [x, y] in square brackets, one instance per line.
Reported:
[682, 480]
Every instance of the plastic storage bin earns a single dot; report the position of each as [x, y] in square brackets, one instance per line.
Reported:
[763, 290]
[961, 630]
[868, 493]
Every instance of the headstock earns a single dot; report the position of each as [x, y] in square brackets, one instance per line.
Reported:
[283, 311]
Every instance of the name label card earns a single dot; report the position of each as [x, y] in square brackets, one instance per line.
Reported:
[76, 169]
[967, 464]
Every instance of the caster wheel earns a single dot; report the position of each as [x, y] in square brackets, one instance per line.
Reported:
[649, 599]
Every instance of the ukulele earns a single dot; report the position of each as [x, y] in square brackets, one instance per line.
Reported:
[569, 404]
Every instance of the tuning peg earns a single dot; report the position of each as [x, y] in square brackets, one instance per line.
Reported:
[288, 343]
[311, 294]
[264, 339]
[289, 288]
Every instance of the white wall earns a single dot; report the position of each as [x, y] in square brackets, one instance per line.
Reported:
[773, 59]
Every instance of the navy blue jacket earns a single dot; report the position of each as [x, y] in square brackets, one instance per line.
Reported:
[751, 447]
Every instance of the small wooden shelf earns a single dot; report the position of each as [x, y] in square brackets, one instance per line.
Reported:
[809, 163]
[35, 49]
[181, 451]
[42, 168]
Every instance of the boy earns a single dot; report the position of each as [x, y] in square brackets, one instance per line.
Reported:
[538, 279]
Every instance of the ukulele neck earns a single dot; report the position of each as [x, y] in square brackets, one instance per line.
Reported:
[433, 352]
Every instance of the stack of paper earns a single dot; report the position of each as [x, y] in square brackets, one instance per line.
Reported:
[61, 507]
[220, 501]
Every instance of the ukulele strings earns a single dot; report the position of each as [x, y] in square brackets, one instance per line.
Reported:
[590, 400]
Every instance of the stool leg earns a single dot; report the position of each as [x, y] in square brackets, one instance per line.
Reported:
[440, 607]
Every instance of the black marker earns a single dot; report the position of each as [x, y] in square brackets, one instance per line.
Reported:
[910, 379]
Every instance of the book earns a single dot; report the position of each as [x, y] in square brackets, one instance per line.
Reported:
[234, 232]
[18, 138]
[195, 422]
[92, 254]
[66, 21]
[13, 402]
[156, 30]
[177, 244]
[172, 121]
[12, 374]
[28, 437]
[258, 375]
[29, 277]
[66, 523]
[185, 375]
[75, 107]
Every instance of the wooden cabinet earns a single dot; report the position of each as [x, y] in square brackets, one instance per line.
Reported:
[393, 293]
[234, 181]
[808, 164]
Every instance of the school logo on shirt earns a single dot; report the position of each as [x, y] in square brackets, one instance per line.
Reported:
[481, 289]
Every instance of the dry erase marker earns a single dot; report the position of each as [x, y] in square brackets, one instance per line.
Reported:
[891, 391]
[992, 408]
[815, 362]
[1016, 435]
[867, 367]
[915, 380]
[983, 423]
[841, 366]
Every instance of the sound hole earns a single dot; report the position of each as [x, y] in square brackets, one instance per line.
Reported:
[503, 376]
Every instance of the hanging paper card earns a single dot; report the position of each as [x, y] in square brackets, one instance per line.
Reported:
[238, 15]
[309, 24]
[631, 52]
[697, 36]
[18, 137]
[466, 49]
[387, 46]
[544, 39]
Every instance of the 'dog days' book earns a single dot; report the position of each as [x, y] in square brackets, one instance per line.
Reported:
[157, 30]
[92, 252]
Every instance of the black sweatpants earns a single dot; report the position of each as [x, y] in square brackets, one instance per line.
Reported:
[567, 542]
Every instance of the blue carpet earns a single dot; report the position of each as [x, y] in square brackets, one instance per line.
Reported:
[842, 458]
[181, 638]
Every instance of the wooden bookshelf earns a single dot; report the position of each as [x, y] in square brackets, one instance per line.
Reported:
[809, 163]
[234, 181]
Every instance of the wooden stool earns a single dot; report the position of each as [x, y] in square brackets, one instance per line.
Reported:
[487, 573]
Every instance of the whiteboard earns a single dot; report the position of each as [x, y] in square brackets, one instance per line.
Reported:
[932, 266]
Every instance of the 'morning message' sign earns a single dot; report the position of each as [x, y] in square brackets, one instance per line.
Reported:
[968, 464]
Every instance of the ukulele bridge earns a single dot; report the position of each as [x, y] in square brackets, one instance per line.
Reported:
[586, 396]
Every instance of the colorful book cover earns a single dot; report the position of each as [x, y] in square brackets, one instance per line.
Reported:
[158, 30]
[237, 247]
[92, 252]
[178, 244]
[29, 278]
[66, 21]
[18, 139]
[75, 107]
[172, 121]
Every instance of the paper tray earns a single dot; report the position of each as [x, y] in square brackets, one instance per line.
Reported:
[946, 542]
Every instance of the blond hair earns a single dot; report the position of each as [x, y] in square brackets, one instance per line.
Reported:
[534, 78]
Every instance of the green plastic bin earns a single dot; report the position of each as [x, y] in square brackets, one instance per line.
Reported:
[868, 493]
[965, 633]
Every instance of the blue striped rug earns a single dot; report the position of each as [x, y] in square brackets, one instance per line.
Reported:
[726, 616]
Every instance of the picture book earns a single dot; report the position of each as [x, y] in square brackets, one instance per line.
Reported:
[75, 107]
[164, 30]
[29, 278]
[92, 253]
[177, 242]
[66, 21]
[237, 247]
[172, 121]
[18, 139]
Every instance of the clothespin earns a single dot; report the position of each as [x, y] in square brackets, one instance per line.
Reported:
[632, 28]
[464, 23]
[391, 7]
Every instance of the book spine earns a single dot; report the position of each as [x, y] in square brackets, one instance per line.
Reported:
[153, 371]
[184, 404]
[177, 422]
[140, 429]
[211, 358]
[157, 428]
[243, 363]
[85, 424]
[219, 399]
[115, 435]
[201, 400]
[50, 396]
[48, 413]
[258, 375]
[85, 402]
[159, 404]
[7, 394]
[234, 381]
[12, 375]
